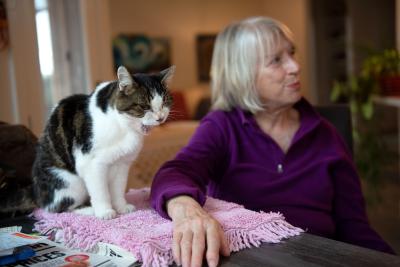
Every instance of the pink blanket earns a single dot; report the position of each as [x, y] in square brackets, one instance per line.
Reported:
[148, 236]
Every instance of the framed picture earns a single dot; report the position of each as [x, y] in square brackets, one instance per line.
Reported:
[4, 36]
[141, 53]
[204, 47]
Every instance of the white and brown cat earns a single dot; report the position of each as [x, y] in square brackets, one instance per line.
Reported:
[89, 143]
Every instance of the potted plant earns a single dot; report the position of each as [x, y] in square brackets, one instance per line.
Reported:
[384, 67]
[380, 74]
[358, 91]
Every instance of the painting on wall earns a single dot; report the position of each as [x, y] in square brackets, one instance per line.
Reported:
[204, 47]
[4, 36]
[141, 53]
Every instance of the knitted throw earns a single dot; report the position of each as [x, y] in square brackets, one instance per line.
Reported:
[148, 236]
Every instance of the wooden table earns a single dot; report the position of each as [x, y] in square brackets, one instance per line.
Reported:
[303, 250]
[309, 250]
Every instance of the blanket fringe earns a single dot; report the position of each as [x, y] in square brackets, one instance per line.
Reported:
[271, 232]
[152, 255]
[68, 235]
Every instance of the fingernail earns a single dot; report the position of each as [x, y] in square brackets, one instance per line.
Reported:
[212, 263]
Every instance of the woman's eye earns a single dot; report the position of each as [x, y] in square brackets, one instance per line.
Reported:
[276, 60]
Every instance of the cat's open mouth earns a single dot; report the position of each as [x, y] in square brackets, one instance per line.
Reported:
[146, 128]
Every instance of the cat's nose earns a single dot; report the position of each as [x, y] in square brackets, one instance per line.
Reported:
[160, 119]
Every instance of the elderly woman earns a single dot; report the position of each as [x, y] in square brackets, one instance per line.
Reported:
[263, 146]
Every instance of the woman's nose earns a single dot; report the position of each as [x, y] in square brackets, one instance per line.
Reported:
[293, 66]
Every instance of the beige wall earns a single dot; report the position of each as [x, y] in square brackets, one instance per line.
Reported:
[96, 28]
[22, 77]
[182, 20]
[6, 113]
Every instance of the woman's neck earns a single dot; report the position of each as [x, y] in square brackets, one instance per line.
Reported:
[280, 124]
[283, 117]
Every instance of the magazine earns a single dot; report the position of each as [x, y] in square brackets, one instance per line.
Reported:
[49, 254]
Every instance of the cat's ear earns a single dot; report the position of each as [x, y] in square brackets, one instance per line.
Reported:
[125, 82]
[166, 75]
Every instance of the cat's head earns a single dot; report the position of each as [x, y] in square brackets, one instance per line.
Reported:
[144, 96]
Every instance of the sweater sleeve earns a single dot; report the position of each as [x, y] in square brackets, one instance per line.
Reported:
[349, 210]
[188, 174]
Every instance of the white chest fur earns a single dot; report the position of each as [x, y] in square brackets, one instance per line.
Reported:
[115, 139]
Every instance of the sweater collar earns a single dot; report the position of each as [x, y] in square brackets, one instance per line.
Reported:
[308, 116]
[244, 115]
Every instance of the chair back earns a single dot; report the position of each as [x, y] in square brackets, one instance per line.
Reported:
[340, 116]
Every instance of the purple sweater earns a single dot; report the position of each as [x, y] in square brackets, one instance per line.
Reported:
[315, 184]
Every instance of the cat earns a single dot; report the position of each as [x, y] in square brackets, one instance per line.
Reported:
[90, 141]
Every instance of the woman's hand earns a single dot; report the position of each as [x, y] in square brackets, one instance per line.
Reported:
[195, 232]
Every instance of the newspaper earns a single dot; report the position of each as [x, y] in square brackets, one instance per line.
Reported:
[50, 254]
[113, 251]
[11, 229]
[11, 240]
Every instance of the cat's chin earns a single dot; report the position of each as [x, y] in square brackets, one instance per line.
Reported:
[146, 128]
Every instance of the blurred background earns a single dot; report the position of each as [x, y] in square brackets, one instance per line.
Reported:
[50, 49]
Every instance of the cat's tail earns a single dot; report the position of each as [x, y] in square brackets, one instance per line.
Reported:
[17, 200]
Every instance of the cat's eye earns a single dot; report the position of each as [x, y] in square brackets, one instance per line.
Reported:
[167, 100]
[145, 107]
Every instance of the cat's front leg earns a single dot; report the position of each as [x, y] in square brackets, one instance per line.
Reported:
[118, 178]
[95, 177]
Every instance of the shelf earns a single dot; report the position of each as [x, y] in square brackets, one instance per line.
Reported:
[387, 100]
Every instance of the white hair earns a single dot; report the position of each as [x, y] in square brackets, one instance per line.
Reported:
[239, 49]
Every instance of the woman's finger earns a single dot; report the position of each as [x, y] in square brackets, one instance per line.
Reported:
[176, 247]
[198, 244]
[186, 248]
[224, 248]
[213, 245]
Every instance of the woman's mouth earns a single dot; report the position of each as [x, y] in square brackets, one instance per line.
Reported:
[295, 85]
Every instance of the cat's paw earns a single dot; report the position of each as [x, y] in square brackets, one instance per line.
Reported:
[127, 208]
[85, 211]
[106, 214]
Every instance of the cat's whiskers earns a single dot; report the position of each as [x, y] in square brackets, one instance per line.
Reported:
[174, 114]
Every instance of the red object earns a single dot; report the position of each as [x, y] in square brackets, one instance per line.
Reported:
[179, 110]
[390, 85]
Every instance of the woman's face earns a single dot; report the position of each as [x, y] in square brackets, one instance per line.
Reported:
[278, 81]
